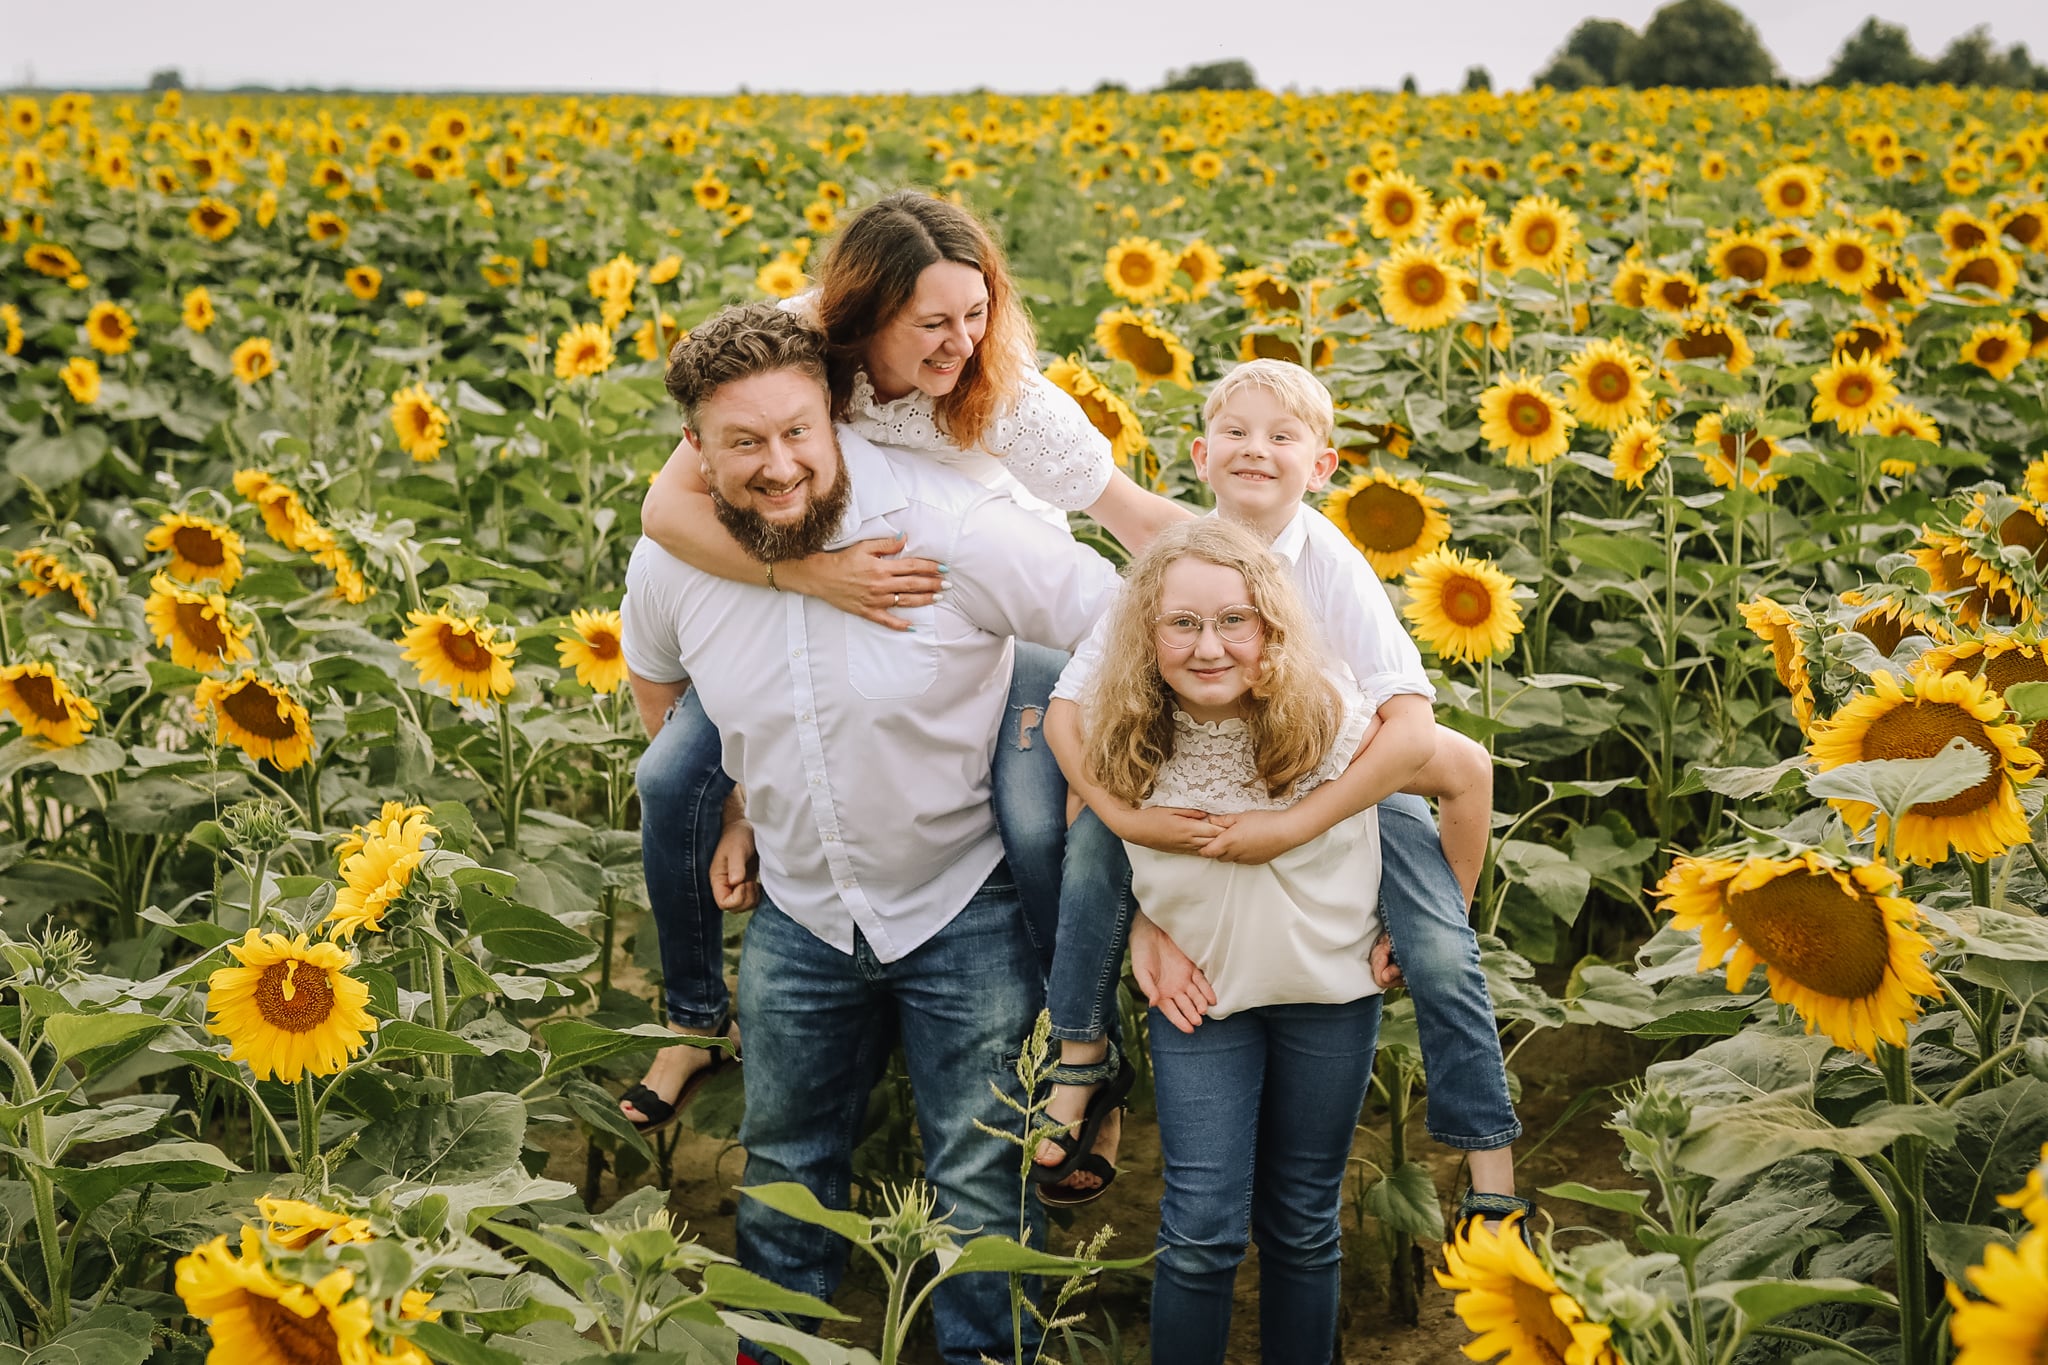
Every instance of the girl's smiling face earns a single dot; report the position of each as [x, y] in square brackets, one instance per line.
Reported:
[1212, 675]
[927, 345]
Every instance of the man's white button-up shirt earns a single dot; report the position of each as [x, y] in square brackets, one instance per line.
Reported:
[865, 751]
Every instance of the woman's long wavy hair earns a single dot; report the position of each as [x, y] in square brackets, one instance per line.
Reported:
[870, 275]
[1293, 710]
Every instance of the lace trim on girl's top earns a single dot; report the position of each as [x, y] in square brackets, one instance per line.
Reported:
[1212, 766]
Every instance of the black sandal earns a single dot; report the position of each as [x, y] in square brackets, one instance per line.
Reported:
[1495, 1207]
[660, 1113]
[1079, 1156]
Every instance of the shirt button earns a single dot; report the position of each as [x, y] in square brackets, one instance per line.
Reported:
[796, 654]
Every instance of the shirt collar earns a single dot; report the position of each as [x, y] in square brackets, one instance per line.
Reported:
[1293, 538]
[876, 492]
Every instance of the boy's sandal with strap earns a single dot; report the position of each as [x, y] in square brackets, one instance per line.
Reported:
[1495, 1207]
[1116, 1077]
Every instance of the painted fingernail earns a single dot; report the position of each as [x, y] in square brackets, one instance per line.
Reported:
[945, 568]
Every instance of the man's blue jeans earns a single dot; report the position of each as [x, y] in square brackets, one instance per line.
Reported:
[682, 796]
[820, 1024]
[1256, 1117]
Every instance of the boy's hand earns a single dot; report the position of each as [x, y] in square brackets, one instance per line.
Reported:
[1168, 829]
[735, 868]
[1386, 972]
[1253, 836]
[1172, 983]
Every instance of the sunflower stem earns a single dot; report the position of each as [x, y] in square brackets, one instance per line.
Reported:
[309, 1125]
[1443, 369]
[508, 785]
[437, 994]
[2034, 852]
[42, 1192]
[256, 889]
[1911, 1228]
[1980, 881]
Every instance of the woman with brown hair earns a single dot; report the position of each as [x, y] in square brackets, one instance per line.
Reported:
[928, 349]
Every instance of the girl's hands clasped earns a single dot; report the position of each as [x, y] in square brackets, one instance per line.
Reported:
[868, 580]
[1253, 836]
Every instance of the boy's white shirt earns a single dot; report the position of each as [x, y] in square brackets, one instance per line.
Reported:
[1342, 594]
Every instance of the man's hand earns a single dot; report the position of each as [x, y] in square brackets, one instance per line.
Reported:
[1172, 983]
[1253, 836]
[1166, 828]
[735, 869]
[1386, 972]
[867, 580]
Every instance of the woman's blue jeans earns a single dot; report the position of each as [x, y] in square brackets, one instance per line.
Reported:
[682, 795]
[1256, 1117]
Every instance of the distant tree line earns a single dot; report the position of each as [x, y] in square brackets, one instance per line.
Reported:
[1708, 44]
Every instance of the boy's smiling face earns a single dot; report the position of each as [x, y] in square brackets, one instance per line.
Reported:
[1260, 458]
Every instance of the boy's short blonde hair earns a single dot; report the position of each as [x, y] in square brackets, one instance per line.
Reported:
[1300, 392]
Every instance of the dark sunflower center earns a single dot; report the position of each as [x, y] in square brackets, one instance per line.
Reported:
[1796, 257]
[1855, 391]
[294, 996]
[1806, 926]
[464, 650]
[1539, 237]
[1920, 731]
[1528, 415]
[1748, 263]
[2024, 228]
[1136, 269]
[1849, 258]
[296, 1340]
[1536, 1322]
[1991, 351]
[1705, 345]
[1423, 284]
[1399, 209]
[1862, 341]
[1467, 601]
[110, 326]
[2024, 529]
[1887, 289]
[1466, 232]
[256, 709]
[1677, 293]
[1792, 193]
[1979, 272]
[1384, 518]
[1147, 353]
[2037, 327]
[1885, 629]
[1963, 236]
[200, 628]
[603, 644]
[39, 694]
[1757, 450]
[1610, 381]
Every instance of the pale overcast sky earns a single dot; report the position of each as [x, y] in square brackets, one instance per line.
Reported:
[876, 45]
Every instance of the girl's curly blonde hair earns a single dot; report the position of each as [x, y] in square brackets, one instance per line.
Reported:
[1293, 711]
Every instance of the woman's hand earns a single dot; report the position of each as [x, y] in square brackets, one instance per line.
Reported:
[1253, 836]
[1172, 983]
[735, 869]
[867, 580]
[1165, 828]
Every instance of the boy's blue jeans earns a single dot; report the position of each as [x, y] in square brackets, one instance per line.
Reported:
[1256, 1118]
[1421, 905]
[820, 1025]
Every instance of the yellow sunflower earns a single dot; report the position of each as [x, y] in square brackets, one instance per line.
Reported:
[1870, 339]
[1896, 288]
[1988, 268]
[290, 1009]
[256, 1318]
[2031, 1199]
[285, 518]
[295, 1224]
[1792, 191]
[10, 322]
[1849, 392]
[1676, 292]
[592, 649]
[1903, 419]
[1892, 614]
[2035, 323]
[2002, 661]
[1962, 230]
[1916, 720]
[1107, 412]
[2025, 227]
[1729, 453]
[328, 229]
[199, 549]
[421, 423]
[2037, 478]
[1265, 292]
[1609, 386]
[1997, 348]
[363, 281]
[461, 653]
[1138, 269]
[1519, 417]
[44, 705]
[1712, 337]
[81, 377]
[257, 716]
[1154, 352]
[1770, 622]
[1393, 521]
[41, 571]
[1837, 941]
[1977, 587]
[1513, 1304]
[377, 864]
[47, 258]
[1540, 234]
[198, 626]
[1201, 266]
[109, 329]
[1631, 286]
[583, 351]
[1396, 207]
[782, 277]
[1743, 256]
[2008, 1320]
[1420, 290]
[1798, 260]
[1638, 448]
[1462, 226]
[197, 312]
[1848, 260]
[253, 359]
[1464, 609]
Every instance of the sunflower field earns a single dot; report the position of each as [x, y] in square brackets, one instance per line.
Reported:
[1702, 438]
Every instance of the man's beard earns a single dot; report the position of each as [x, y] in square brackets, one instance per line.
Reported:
[774, 543]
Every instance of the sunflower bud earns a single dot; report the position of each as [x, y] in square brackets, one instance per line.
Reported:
[256, 827]
[65, 955]
[1657, 1112]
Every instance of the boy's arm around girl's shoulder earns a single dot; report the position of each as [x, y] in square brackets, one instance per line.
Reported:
[1164, 828]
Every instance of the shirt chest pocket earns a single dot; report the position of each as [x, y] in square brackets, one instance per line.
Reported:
[882, 663]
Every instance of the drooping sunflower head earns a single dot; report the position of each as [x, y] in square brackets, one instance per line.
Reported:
[44, 705]
[1514, 1306]
[200, 627]
[1837, 941]
[258, 716]
[1917, 718]
[1462, 608]
[55, 566]
[1849, 392]
[591, 647]
[1887, 614]
[1397, 207]
[1711, 336]
[1978, 588]
[461, 653]
[1138, 269]
[256, 1315]
[198, 312]
[1393, 521]
[1107, 412]
[1637, 449]
[1265, 292]
[199, 549]
[1522, 419]
[1141, 342]
[2002, 661]
[290, 1009]
[295, 1224]
[421, 423]
[1609, 386]
[1420, 290]
[1775, 624]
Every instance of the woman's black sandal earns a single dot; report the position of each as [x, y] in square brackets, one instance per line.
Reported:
[1079, 1157]
[659, 1113]
[1494, 1207]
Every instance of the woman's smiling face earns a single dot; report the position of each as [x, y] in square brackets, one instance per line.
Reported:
[927, 345]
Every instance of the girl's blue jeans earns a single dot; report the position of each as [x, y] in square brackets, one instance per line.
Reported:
[1256, 1117]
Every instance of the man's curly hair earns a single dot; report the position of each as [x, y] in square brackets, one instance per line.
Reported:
[739, 343]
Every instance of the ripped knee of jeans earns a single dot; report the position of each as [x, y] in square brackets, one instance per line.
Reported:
[1028, 721]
